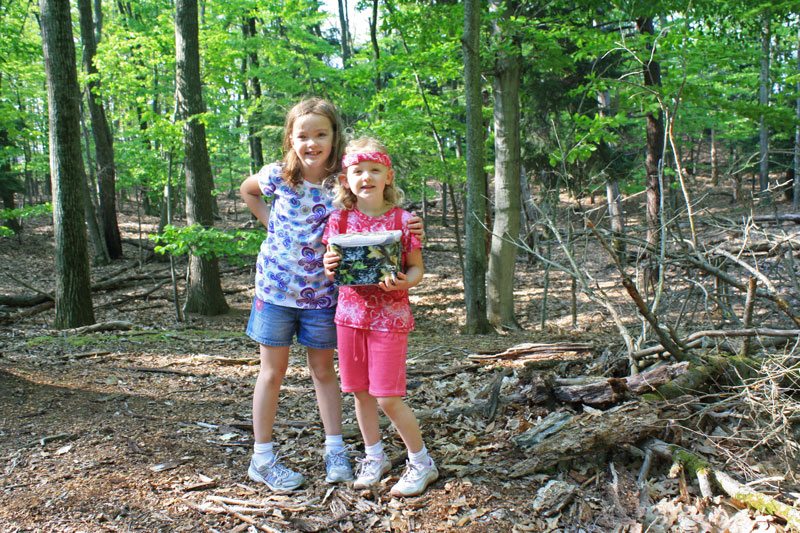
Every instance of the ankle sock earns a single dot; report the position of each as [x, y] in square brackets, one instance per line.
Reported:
[374, 451]
[263, 452]
[333, 444]
[421, 457]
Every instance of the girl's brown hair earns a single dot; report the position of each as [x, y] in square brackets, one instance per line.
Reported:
[292, 172]
[344, 197]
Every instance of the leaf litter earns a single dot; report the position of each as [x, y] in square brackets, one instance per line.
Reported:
[98, 435]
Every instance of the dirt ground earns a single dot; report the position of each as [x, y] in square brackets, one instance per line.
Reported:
[147, 429]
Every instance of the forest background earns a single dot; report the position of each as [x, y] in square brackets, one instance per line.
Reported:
[503, 117]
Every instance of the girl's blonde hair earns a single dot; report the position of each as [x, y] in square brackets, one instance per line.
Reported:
[292, 172]
[344, 197]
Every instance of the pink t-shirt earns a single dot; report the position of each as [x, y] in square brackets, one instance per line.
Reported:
[368, 306]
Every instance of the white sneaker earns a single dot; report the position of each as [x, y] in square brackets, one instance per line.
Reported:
[414, 480]
[337, 467]
[275, 476]
[371, 471]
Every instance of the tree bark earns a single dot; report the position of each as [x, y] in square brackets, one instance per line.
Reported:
[73, 287]
[204, 289]
[376, 51]
[507, 191]
[796, 187]
[475, 264]
[256, 150]
[103, 142]
[343, 26]
[613, 196]
[562, 435]
[655, 141]
[713, 156]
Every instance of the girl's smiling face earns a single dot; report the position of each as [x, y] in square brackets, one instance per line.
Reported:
[312, 141]
[367, 180]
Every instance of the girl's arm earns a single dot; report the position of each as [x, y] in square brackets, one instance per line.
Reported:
[250, 191]
[412, 277]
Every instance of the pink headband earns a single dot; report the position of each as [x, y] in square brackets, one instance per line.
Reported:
[355, 158]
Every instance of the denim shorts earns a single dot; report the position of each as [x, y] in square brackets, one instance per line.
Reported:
[275, 325]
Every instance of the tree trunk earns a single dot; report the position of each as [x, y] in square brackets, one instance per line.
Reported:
[256, 150]
[613, 196]
[204, 290]
[713, 156]
[655, 142]
[343, 26]
[475, 264]
[73, 287]
[104, 145]
[376, 51]
[763, 101]
[101, 256]
[505, 230]
[796, 197]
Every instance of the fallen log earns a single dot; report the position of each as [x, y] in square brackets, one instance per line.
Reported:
[30, 311]
[779, 218]
[564, 436]
[613, 390]
[696, 465]
[531, 351]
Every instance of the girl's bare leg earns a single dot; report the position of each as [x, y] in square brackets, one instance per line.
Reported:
[404, 421]
[326, 387]
[274, 362]
[367, 415]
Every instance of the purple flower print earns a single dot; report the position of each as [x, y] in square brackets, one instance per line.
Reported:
[287, 239]
[279, 280]
[310, 262]
[308, 299]
[318, 214]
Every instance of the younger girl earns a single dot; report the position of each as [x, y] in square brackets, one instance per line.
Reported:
[293, 296]
[373, 321]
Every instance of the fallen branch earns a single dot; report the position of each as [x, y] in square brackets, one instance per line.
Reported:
[696, 338]
[538, 351]
[742, 286]
[699, 467]
[113, 325]
[35, 310]
[667, 337]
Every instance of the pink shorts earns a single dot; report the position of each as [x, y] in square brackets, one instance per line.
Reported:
[374, 361]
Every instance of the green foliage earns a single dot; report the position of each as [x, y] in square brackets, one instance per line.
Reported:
[27, 212]
[237, 245]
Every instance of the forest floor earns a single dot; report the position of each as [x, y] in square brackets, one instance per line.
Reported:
[147, 429]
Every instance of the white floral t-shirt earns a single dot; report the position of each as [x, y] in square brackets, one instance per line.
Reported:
[289, 268]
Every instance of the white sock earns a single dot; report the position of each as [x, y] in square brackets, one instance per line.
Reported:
[263, 452]
[421, 457]
[375, 451]
[333, 444]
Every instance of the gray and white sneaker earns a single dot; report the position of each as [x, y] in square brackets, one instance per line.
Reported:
[415, 479]
[275, 476]
[371, 471]
[337, 467]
